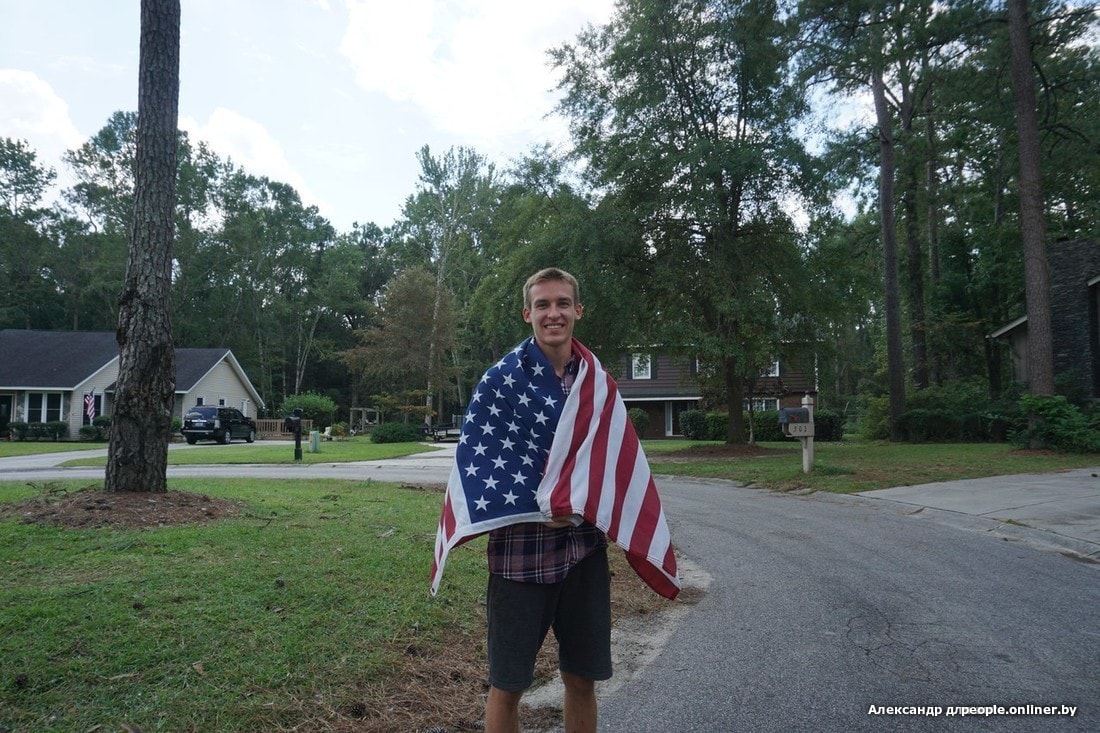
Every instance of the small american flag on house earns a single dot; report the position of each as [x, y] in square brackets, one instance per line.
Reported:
[529, 453]
[89, 405]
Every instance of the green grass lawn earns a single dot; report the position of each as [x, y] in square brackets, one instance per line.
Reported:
[278, 619]
[851, 466]
[35, 447]
[336, 451]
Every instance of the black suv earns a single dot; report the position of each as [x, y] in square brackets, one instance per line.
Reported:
[204, 422]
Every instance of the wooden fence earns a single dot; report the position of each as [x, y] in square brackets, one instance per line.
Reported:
[267, 429]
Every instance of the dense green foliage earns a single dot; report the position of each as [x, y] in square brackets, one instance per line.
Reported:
[722, 214]
[316, 407]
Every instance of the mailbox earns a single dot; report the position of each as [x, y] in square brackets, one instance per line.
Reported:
[796, 422]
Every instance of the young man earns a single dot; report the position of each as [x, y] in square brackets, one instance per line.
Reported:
[546, 463]
[551, 574]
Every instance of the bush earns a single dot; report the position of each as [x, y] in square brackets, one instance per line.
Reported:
[36, 430]
[315, 407]
[828, 424]
[765, 425]
[18, 430]
[395, 432]
[1060, 426]
[693, 424]
[639, 418]
[56, 429]
[90, 433]
[875, 421]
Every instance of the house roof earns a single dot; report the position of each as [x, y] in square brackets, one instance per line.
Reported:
[63, 360]
[1008, 328]
[59, 360]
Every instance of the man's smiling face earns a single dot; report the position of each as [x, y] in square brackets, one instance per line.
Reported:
[553, 312]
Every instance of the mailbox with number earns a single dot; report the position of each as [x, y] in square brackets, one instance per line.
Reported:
[796, 422]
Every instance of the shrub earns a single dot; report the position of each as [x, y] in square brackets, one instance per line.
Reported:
[1060, 426]
[395, 432]
[717, 424]
[765, 425]
[693, 424]
[828, 424]
[639, 418]
[56, 429]
[316, 407]
[36, 430]
[875, 422]
[18, 430]
[90, 433]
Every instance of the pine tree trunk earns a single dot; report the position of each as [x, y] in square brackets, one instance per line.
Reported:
[895, 361]
[1040, 356]
[142, 419]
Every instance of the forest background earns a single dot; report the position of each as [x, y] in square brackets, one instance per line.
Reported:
[700, 207]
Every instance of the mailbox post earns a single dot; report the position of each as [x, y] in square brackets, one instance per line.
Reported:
[798, 422]
[293, 424]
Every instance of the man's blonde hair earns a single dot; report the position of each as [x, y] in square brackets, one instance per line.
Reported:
[550, 273]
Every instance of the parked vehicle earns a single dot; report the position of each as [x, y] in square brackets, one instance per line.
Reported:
[223, 424]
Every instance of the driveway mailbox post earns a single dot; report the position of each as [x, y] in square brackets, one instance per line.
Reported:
[798, 422]
[293, 424]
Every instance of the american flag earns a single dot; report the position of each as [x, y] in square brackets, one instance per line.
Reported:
[528, 454]
[89, 405]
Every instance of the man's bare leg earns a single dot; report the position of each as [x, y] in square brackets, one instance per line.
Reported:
[580, 704]
[502, 711]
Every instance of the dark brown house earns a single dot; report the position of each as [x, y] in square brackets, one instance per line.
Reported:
[665, 386]
[1074, 319]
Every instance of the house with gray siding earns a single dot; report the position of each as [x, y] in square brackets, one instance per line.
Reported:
[70, 376]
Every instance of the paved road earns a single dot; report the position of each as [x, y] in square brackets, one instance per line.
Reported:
[822, 606]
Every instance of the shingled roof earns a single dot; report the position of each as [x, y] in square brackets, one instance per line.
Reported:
[63, 360]
[53, 360]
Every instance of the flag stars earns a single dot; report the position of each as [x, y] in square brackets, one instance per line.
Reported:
[471, 470]
[512, 427]
[510, 498]
[487, 429]
[507, 444]
[541, 418]
[499, 462]
[491, 483]
[524, 400]
[538, 369]
[479, 449]
[519, 478]
[550, 401]
[509, 380]
[494, 410]
[482, 503]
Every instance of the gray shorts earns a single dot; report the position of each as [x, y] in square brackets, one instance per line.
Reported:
[578, 609]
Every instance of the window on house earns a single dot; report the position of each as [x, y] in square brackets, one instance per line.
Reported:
[199, 401]
[641, 366]
[762, 404]
[43, 406]
[221, 402]
[772, 371]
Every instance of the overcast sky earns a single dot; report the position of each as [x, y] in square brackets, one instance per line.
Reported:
[333, 97]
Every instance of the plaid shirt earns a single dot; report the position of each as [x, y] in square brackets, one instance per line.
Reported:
[531, 552]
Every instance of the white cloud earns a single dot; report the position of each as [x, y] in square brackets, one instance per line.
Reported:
[477, 68]
[250, 146]
[30, 110]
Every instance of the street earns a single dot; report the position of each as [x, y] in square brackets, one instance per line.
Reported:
[822, 606]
